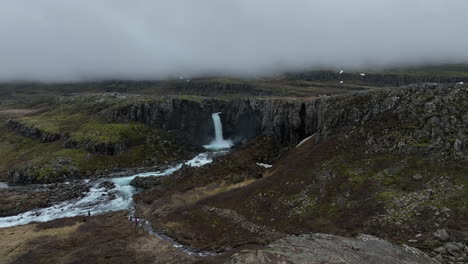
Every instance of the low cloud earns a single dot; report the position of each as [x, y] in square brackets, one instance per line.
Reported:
[59, 40]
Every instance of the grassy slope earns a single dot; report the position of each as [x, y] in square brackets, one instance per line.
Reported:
[319, 188]
[107, 238]
[82, 119]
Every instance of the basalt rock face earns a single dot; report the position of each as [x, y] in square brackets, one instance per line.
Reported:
[191, 117]
[32, 132]
[288, 121]
[98, 148]
[434, 117]
[429, 117]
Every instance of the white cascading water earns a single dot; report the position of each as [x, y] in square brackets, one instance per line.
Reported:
[219, 142]
[99, 200]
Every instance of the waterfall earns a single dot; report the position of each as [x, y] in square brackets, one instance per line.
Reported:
[218, 127]
[219, 142]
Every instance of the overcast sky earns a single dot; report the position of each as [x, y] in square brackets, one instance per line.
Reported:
[72, 40]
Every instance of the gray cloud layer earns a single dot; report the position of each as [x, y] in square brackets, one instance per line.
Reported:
[63, 40]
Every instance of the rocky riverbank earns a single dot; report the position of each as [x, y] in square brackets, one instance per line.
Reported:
[16, 200]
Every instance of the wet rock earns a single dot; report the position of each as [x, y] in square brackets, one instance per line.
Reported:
[146, 182]
[17, 200]
[108, 185]
[189, 116]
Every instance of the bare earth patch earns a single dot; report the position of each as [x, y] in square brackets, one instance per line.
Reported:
[12, 113]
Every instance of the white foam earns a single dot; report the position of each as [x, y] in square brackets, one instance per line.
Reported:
[98, 200]
[200, 160]
[219, 142]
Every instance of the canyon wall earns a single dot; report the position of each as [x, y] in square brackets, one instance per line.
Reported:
[436, 114]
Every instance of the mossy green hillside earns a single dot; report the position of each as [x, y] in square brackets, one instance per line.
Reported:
[82, 124]
[18, 151]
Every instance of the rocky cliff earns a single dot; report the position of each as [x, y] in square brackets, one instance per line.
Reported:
[190, 116]
[431, 116]
[32, 132]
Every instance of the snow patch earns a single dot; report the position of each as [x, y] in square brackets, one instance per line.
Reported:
[304, 140]
[263, 165]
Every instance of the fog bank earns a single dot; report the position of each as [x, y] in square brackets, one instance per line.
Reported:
[57, 40]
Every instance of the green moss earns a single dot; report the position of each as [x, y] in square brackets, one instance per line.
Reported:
[191, 97]
[144, 143]
[98, 132]
[55, 123]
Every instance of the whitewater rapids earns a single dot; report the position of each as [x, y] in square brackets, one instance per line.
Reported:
[98, 200]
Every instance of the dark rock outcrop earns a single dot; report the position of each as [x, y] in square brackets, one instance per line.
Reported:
[191, 117]
[33, 132]
[323, 248]
[58, 170]
[436, 112]
[146, 182]
[17, 200]
[116, 148]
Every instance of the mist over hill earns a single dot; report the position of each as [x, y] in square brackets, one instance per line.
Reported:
[54, 40]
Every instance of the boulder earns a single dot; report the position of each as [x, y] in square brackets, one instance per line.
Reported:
[324, 248]
[441, 235]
